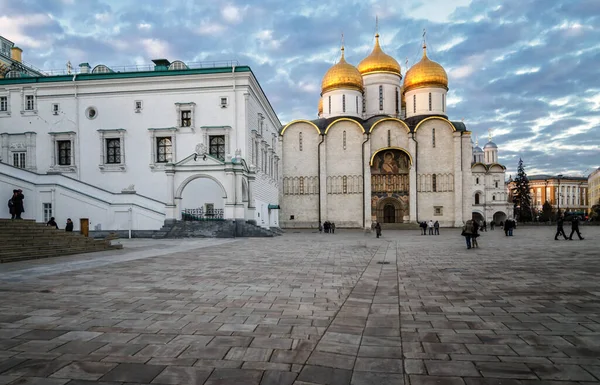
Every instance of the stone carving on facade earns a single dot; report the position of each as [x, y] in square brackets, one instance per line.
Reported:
[18, 146]
[200, 149]
[129, 189]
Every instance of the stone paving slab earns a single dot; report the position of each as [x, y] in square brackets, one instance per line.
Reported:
[309, 308]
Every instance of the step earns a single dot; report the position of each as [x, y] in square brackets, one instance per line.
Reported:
[16, 258]
[30, 248]
[55, 251]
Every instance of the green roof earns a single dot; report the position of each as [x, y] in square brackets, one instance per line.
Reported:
[121, 75]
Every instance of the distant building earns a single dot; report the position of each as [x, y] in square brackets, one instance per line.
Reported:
[567, 193]
[11, 61]
[594, 188]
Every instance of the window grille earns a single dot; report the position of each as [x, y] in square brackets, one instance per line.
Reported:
[217, 146]
[113, 151]
[164, 150]
[64, 152]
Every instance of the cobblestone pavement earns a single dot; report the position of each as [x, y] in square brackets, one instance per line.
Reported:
[309, 308]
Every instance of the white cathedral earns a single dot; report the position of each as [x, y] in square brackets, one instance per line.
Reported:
[383, 150]
[133, 148]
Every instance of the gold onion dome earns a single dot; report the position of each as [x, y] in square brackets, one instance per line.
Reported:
[342, 75]
[379, 61]
[320, 105]
[425, 73]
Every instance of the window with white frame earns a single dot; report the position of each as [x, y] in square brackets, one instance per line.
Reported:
[217, 146]
[64, 152]
[162, 144]
[3, 103]
[47, 208]
[29, 102]
[19, 159]
[112, 155]
[185, 114]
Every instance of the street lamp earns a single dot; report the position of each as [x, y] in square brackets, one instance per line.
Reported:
[559, 194]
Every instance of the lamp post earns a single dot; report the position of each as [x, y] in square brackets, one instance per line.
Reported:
[559, 194]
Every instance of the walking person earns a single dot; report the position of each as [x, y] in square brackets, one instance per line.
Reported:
[320, 227]
[378, 229]
[467, 231]
[475, 235]
[575, 228]
[332, 227]
[492, 225]
[485, 226]
[69, 225]
[511, 226]
[430, 226]
[560, 221]
[436, 227]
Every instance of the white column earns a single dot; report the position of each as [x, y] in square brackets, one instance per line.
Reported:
[323, 180]
[367, 184]
[412, 176]
[458, 184]
[171, 212]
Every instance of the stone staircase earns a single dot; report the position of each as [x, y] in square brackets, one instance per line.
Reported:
[214, 229]
[25, 239]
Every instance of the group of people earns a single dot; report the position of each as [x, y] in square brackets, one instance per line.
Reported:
[471, 232]
[328, 227]
[509, 226]
[68, 226]
[434, 227]
[561, 231]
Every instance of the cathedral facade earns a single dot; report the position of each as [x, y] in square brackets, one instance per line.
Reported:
[382, 150]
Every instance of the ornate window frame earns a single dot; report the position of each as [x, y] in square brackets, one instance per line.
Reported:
[5, 94]
[22, 142]
[155, 133]
[188, 106]
[112, 133]
[24, 94]
[54, 164]
[208, 131]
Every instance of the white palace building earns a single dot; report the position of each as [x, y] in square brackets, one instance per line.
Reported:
[131, 148]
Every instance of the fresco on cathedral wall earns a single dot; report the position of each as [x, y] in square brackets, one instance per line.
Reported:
[390, 162]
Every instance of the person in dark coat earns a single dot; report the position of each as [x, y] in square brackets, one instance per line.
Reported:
[423, 228]
[559, 228]
[15, 204]
[575, 228]
[436, 227]
[492, 224]
[69, 225]
[467, 231]
[52, 223]
[475, 234]
[378, 229]
[332, 227]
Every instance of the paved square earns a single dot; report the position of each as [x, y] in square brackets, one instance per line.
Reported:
[309, 308]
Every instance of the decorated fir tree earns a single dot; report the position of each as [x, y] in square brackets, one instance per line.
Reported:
[521, 195]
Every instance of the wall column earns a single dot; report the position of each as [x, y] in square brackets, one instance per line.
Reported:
[170, 207]
[412, 182]
[367, 183]
[323, 180]
[458, 183]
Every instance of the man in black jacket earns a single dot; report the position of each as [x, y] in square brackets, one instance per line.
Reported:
[559, 228]
[15, 204]
[575, 228]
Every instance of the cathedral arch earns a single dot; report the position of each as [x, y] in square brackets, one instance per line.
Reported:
[389, 120]
[391, 148]
[341, 120]
[435, 118]
[299, 121]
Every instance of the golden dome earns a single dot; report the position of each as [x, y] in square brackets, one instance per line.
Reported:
[378, 61]
[321, 105]
[425, 73]
[342, 75]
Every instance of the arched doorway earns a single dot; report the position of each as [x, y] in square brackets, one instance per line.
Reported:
[499, 216]
[477, 216]
[201, 197]
[389, 213]
[390, 185]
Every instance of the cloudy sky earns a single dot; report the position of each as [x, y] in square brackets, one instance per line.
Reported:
[526, 69]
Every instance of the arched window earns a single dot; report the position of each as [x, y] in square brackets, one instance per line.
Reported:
[300, 141]
[494, 197]
[330, 104]
[389, 138]
[430, 101]
[433, 137]
[443, 103]
[345, 184]
[477, 181]
[364, 104]
[414, 103]
[380, 98]
[477, 198]
[343, 103]
[301, 185]
[397, 101]
[434, 182]
[344, 141]
[357, 104]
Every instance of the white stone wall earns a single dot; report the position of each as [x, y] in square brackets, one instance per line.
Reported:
[344, 209]
[297, 163]
[337, 105]
[398, 136]
[390, 85]
[421, 97]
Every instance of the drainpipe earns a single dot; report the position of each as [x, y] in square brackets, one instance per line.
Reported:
[77, 128]
[319, 173]
[363, 173]
[417, 176]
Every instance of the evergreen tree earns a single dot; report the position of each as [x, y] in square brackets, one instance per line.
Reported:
[546, 212]
[521, 195]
